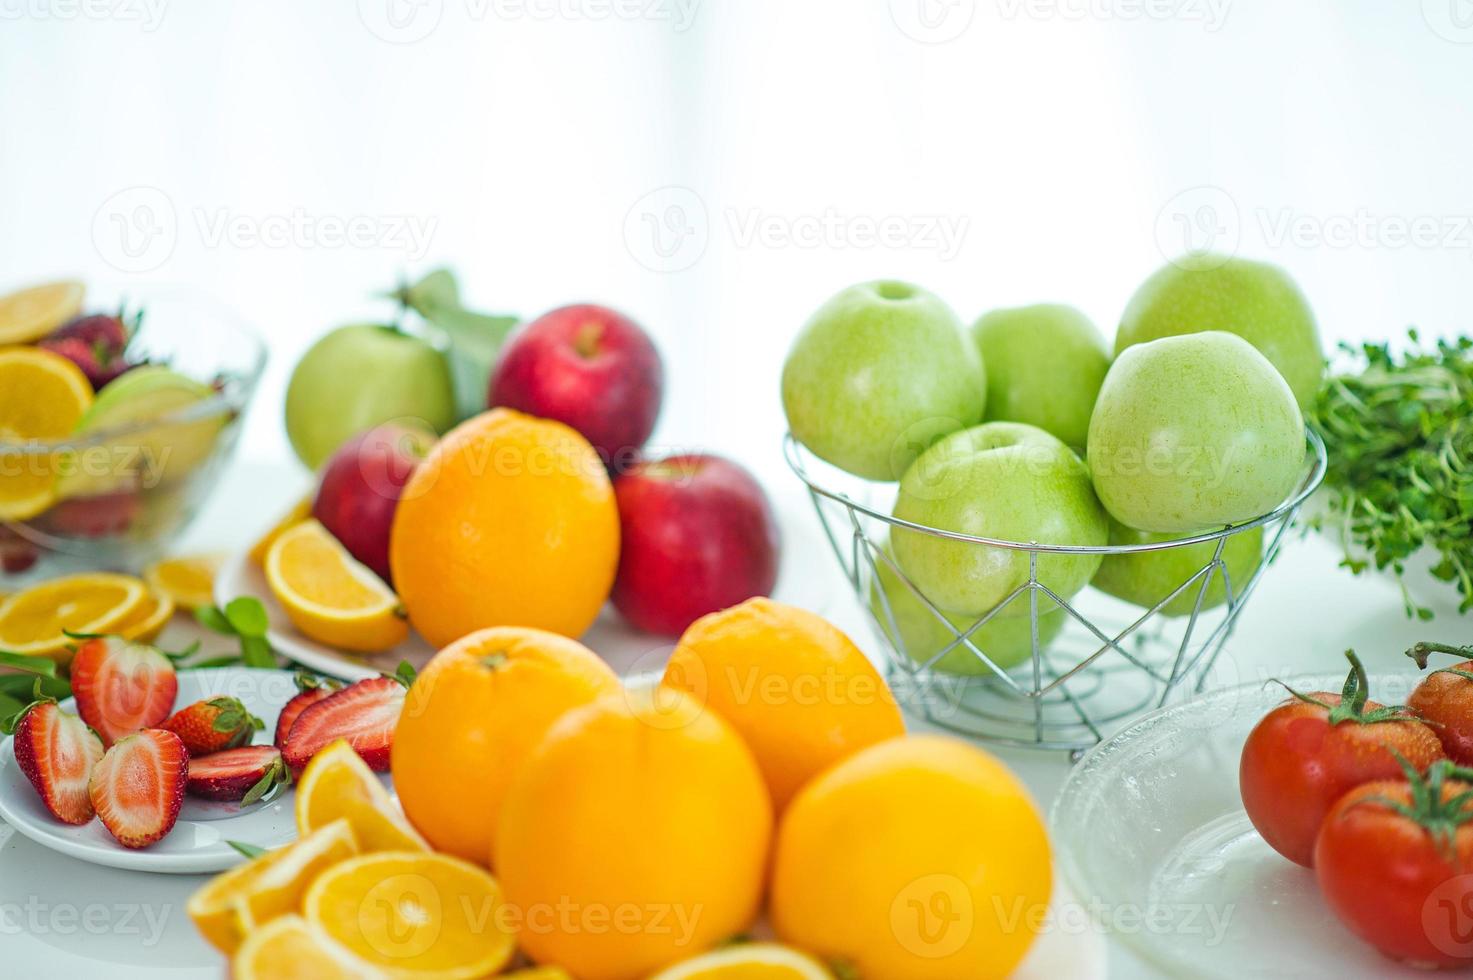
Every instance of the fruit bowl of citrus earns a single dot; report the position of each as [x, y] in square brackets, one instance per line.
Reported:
[116, 420]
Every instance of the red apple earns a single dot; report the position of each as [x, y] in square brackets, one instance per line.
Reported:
[588, 367]
[360, 489]
[698, 535]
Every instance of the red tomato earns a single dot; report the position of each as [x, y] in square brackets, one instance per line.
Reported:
[1394, 860]
[1445, 698]
[1314, 748]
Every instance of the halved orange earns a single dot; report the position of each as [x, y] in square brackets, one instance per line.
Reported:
[329, 595]
[42, 398]
[237, 901]
[300, 511]
[291, 948]
[30, 314]
[338, 785]
[418, 915]
[749, 961]
[146, 622]
[35, 620]
[189, 581]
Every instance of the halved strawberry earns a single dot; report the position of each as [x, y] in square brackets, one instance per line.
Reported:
[246, 774]
[364, 713]
[313, 689]
[122, 687]
[213, 725]
[138, 786]
[57, 751]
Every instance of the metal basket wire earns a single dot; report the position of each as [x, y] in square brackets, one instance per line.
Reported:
[1111, 662]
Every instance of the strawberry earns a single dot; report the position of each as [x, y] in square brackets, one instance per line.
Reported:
[313, 689]
[138, 786]
[246, 774]
[105, 330]
[93, 517]
[57, 751]
[364, 713]
[122, 687]
[212, 726]
[97, 343]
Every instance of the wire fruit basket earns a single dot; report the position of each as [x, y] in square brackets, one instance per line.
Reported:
[1073, 674]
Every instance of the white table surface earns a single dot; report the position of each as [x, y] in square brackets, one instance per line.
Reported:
[60, 918]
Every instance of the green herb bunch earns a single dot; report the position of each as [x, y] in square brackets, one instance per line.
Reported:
[1399, 432]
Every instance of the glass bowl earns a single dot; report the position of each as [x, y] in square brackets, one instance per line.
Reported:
[1151, 836]
[124, 489]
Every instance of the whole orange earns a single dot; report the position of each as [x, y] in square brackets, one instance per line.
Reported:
[796, 688]
[472, 717]
[636, 836]
[509, 521]
[920, 857]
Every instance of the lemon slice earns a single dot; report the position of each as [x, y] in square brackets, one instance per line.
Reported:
[35, 621]
[418, 915]
[751, 961]
[291, 948]
[42, 398]
[338, 785]
[145, 623]
[329, 595]
[190, 582]
[227, 908]
[30, 314]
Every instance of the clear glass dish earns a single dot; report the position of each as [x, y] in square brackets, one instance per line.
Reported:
[124, 490]
[1151, 836]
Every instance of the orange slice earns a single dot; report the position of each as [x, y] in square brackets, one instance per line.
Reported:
[750, 961]
[291, 948]
[421, 915]
[190, 581]
[35, 620]
[338, 785]
[300, 511]
[330, 596]
[233, 903]
[42, 398]
[146, 622]
[30, 314]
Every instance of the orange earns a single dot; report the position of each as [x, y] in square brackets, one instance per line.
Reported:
[30, 314]
[414, 915]
[42, 398]
[190, 581]
[796, 688]
[919, 857]
[237, 901]
[509, 521]
[338, 785]
[749, 961]
[36, 620]
[634, 836]
[329, 595]
[473, 715]
[291, 948]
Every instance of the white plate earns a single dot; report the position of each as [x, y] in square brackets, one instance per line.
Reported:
[198, 841]
[805, 579]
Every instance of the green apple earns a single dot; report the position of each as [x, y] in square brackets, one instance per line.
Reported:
[361, 376]
[1193, 432]
[1044, 366]
[1147, 577]
[1255, 300]
[1006, 481]
[879, 373]
[1007, 640]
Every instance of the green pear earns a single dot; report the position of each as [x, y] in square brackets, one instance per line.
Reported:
[1194, 432]
[1255, 300]
[1044, 367]
[1147, 577]
[1006, 481]
[878, 374]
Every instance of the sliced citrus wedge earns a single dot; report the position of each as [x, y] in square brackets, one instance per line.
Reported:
[42, 398]
[190, 581]
[231, 904]
[145, 623]
[749, 961]
[419, 915]
[300, 511]
[338, 785]
[291, 948]
[36, 620]
[30, 314]
[330, 596]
